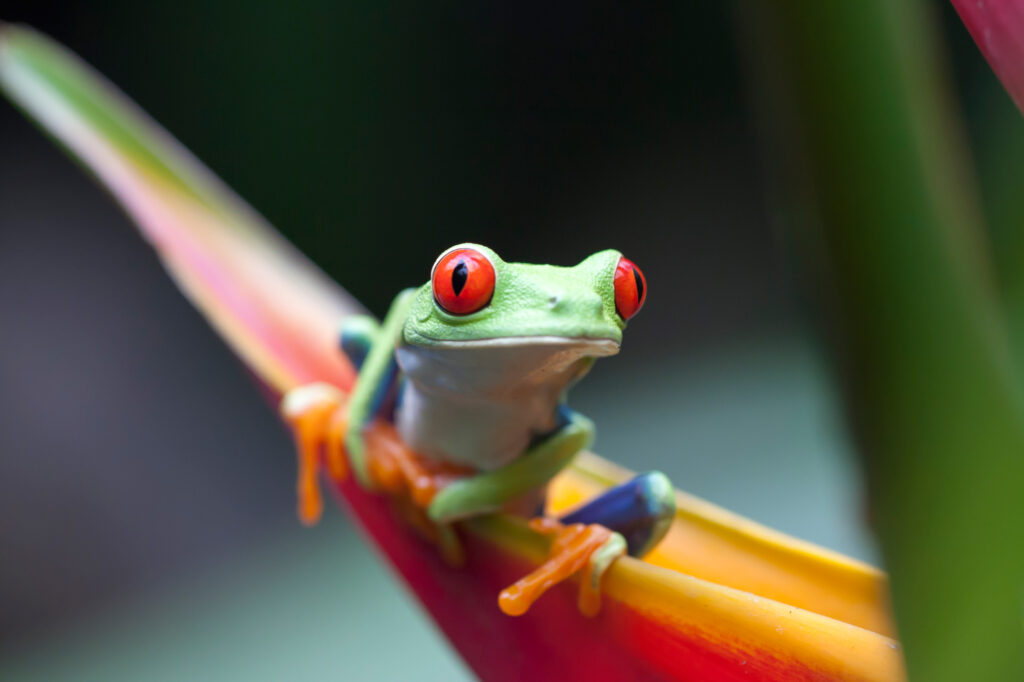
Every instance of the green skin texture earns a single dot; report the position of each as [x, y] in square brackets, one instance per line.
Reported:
[523, 305]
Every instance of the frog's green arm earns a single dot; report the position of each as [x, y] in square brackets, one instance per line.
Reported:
[538, 465]
[375, 378]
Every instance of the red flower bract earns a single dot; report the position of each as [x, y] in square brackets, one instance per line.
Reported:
[997, 26]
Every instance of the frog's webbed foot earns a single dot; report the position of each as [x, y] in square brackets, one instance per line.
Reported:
[318, 418]
[396, 469]
[412, 482]
[577, 548]
[631, 517]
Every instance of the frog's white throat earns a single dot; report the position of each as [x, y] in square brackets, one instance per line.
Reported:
[482, 402]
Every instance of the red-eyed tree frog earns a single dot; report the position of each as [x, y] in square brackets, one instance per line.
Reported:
[472, 369]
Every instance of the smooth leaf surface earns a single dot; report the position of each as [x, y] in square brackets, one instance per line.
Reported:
[887, 211]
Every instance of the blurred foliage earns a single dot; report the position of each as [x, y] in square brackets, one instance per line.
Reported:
[435, 123]
[374, 136]
[999, 135]
[888, 212]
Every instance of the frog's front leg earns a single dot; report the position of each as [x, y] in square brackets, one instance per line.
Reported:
[490, 491]
[587, 549]
[631, 517]
[376, 383]
[318, 416]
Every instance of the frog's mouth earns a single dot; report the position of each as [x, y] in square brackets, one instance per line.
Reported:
[502, 365]
[584, 345]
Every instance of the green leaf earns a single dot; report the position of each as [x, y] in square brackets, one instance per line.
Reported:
[887, 210]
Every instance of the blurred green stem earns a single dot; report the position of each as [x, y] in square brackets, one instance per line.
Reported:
[885, 208]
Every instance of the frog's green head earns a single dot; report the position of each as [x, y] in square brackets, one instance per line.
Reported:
[475, 298]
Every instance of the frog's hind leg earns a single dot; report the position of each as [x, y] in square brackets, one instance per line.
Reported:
[641, 510]
[629, 518]
[357, 337]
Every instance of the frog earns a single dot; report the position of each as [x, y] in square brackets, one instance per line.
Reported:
[472, 371]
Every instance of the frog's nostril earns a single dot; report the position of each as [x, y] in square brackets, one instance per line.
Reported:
[553, 301]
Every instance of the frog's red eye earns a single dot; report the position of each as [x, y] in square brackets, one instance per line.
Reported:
[630, 289]
[463, 281]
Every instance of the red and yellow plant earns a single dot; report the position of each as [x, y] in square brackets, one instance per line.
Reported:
[721, 598]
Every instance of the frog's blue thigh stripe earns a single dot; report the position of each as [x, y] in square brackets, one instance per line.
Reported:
[357, 337]
[386, 395]
[641, 509]
[355, 343]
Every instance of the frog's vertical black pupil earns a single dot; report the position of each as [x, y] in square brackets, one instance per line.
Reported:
[639, 285]
[459, 276]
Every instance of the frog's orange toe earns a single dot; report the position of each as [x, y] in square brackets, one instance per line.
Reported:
[576, 548]
[317, 416]
[337, 427]
[401, 471]
[311, 502]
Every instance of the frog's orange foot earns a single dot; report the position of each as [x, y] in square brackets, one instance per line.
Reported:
[577, 548]
[412, 481]
[399, 471]
[318, 418]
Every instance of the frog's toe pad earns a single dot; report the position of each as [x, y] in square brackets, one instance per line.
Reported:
[587, 550]
[315, 414]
